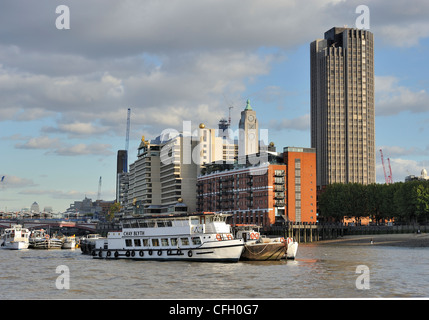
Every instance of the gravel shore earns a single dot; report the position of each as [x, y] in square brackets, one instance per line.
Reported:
[400, 240]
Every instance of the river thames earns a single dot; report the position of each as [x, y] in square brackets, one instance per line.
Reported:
[320, 271]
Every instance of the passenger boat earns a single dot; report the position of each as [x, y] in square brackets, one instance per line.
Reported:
[15, 238]
[39, 239]
[190, 237]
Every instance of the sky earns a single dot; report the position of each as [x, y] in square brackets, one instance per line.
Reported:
[64, 93]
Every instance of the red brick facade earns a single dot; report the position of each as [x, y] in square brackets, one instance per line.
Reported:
[261, 195]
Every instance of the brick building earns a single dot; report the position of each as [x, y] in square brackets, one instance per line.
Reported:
[301, 184]
[282, 190]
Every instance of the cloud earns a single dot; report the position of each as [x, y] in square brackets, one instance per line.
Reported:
[76, 129]
[43, 142]
[401, 168]
[83, 149]
[392, 98]
[55, 146]
[398, 151]
[70, 194]
[10, 181]
[301, 123]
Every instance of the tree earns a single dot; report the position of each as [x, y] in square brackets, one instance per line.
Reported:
[422, 205]
[113, 209]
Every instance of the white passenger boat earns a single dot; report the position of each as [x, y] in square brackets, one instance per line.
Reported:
[196, 237]
[15, 238]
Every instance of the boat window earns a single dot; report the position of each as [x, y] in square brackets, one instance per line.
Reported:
[146, 242]
[128, 242]
[155, 242]
[184, 241]
[196, 241]
[151, 224]
[125, 225]
[164, 242]
[173, 242]
[169, 223]
[137, 243]
[160, 224]
[134, 224]
[143, 224]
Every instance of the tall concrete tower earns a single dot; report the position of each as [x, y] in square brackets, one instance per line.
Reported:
[342, 106]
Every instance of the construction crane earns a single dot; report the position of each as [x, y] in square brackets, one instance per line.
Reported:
[390, 177]
[387, 178]
[99, 190]
[384, 168]
[127, 140]
[229, 119]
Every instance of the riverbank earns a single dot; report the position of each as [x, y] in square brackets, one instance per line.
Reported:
[399, 240]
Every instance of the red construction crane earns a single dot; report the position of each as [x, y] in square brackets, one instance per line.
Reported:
[384, 168]
[390, 177]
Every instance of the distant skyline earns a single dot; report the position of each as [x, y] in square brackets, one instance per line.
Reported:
[64, 94]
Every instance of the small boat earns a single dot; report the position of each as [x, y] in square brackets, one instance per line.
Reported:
[191, 237]
[87, 243]
[16, 238]
[69, 243]
[39, 239]
[259, 248]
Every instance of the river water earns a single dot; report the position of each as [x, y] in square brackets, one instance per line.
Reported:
[320, 271]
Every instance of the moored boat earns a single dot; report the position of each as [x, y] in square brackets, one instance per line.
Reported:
[259, 248]
[69, 243]
[39, 239]
[15, 238]
[190, 237]
[87, 243]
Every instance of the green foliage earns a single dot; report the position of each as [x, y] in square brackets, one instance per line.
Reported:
[405, 202]
[114, 208]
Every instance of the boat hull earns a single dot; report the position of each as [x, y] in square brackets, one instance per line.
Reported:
[70, 245]
[15, 245]
[292, 249]
[264, 251]
[224, 251]
[46, 244]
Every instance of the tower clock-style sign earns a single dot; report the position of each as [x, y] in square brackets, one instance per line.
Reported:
[248, 136]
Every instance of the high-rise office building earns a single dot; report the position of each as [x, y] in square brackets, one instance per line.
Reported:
[342, 106]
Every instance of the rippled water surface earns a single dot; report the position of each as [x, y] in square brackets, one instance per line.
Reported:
[320, 271]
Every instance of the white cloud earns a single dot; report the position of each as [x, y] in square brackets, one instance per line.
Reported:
[42, 142]
[83, 149]
[11, 181]
[392, 98]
